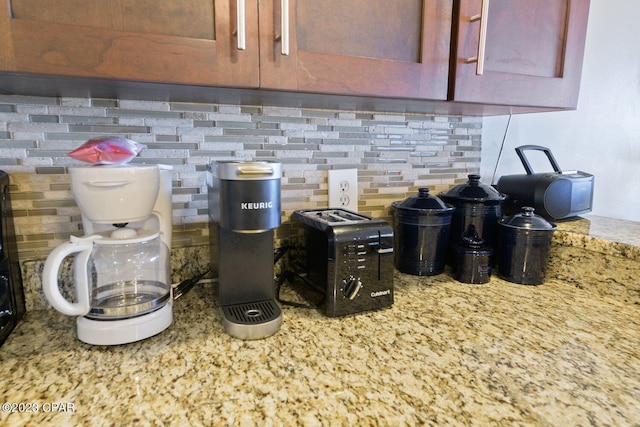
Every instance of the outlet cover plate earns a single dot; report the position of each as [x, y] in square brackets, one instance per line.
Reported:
[343, 189]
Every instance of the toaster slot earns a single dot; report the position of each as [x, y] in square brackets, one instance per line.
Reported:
[385, 252]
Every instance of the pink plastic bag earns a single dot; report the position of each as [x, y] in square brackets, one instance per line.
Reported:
[107, 150]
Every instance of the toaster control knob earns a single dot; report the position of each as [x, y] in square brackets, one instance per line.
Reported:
[351, 286]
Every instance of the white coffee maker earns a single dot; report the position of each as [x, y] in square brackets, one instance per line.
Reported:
[122, 278]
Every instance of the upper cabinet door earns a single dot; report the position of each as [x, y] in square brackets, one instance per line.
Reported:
[197, 42]
[520, 52]
[356, 47]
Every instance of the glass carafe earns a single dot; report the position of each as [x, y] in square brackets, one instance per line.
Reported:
[118, 275]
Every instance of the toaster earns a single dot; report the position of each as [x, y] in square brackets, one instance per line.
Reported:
[348, 258]
[554, 195]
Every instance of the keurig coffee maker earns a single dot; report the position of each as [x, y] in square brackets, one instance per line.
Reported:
[244, 207]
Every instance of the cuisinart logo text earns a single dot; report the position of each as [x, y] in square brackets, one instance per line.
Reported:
[256, 205]
[380, 293]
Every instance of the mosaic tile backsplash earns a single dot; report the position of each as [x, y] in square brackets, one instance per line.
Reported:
[394, 154]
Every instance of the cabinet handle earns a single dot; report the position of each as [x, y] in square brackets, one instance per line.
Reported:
[284, 23]
[483, 17]
[240, 25]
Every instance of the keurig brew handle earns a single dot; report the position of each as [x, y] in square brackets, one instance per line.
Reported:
[255, 170]
[527, 167]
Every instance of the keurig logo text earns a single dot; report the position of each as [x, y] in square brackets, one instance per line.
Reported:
[256, 205]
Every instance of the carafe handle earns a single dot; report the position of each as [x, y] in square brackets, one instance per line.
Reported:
[83, 246]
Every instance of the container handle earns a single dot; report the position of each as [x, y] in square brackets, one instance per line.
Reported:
[520, 152]
[83, 247]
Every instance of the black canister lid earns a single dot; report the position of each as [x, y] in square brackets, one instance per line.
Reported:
[423, 203]
[527, 220]
[471, 239]
[474, 191]
[473, 244]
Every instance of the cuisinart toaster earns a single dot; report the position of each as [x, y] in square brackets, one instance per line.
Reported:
[349, 258]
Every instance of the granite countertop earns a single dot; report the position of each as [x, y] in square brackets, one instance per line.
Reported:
[446, 353]
[608, 236]
[598, 254]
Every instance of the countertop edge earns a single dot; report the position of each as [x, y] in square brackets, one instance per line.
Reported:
[609, 236]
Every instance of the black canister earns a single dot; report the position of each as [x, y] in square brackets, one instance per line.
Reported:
[525, 242]
[421, 233]
[473, 259]
[476, 204]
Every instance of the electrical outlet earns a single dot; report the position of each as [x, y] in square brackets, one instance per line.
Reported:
[343, 189]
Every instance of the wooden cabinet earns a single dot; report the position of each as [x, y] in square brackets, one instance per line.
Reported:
[530, 52]
[356, 47]
[407, 55]
[187, 42]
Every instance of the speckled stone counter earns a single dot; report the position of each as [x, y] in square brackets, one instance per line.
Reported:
[598, 254]
[612, 236]
[563, 353]
[445, 354]
[608, 236]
